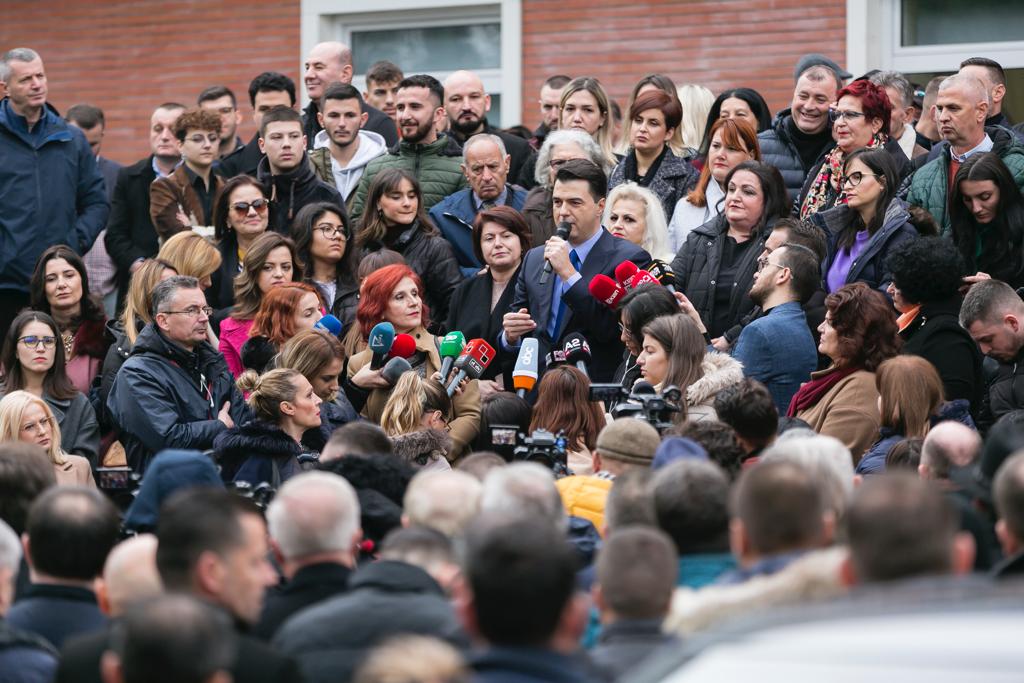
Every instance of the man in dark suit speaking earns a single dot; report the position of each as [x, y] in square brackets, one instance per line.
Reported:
[563, 304]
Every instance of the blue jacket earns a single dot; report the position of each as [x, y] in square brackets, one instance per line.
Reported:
[454, 217]
[25, 657]
[703, 569]
[873, 461]
[52, 191]
[169, 472]
[778, 350]
[57, 612]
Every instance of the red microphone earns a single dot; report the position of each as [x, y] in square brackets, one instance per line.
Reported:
[606, 290]
[403, 346]
[632, 277]
[472, 362]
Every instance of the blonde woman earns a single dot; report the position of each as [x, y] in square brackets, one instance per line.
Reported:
[585, 106]
[696, 101]
[635, 214]
[416, 418]
[25, 417]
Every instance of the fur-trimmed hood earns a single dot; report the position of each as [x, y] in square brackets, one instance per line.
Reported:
[720, 371]
[423, 448]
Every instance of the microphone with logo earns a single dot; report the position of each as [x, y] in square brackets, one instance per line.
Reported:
[631, 276]
[403, 347]
[606, 290]
[577, 351]
[563, 231]
[330, 324]
[474, 359]
[524, 375]
[663, 273]
[381, 338]
[450, 347]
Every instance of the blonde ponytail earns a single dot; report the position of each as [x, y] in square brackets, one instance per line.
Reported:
[268, 391]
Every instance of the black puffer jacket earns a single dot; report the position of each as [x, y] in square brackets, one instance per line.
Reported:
[779, 150]
[291, 191]
[117, 353]
[1004, 394]
[258, 452]
[673, 178]
[167, 397]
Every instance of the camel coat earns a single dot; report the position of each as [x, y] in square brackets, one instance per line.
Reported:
[76, 471]
[849, 412]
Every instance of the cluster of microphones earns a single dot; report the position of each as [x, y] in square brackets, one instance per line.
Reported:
[629, 276]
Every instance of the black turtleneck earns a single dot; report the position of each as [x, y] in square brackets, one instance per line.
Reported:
[808, 146]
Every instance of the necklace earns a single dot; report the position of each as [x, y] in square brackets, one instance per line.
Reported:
[68, 338]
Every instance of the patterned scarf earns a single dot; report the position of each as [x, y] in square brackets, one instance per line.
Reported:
[826, 184]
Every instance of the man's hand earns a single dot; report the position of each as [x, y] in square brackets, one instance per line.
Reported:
[556, 250]
[721, 344]
[517, 325]
[225, 416]
[972, 280]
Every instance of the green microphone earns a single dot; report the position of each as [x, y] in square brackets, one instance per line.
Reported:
[451, 346]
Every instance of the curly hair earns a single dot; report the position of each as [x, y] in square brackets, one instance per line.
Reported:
[196, 119]
[926, 269]
[865, 325]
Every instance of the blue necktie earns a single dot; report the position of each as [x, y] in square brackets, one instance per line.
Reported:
[557, 305]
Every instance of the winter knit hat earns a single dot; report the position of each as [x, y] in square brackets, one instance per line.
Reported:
[677, 448]
[628, 440]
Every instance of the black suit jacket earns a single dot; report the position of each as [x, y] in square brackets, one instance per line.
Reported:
[130, 231]
[470, 313]
[584, 313]
[242, 161]
[309, 586]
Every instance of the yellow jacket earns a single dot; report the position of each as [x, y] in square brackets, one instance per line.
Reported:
[585, 497]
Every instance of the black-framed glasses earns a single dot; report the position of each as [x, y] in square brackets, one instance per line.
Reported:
[242, 208]
[33, 342]
[847, 114]
[192, 311]
[330, 231]
[855, 178]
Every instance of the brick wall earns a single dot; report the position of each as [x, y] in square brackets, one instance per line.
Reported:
[719, 44]
[126, 57]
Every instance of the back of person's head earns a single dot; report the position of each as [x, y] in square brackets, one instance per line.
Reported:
[825, 458]
[171, 639]
[384, 473]
[905, 455]
[627, 442]
[926, 270]
[636, 574]
[314, 513]
[428, 549]
[691, 505]
[563, 405]
[479, 464]
[169, 471]
[524, 486]
[629, 502]
[70, 532]
[502, 408]
[521, 574]
[777, 507]
[410, 400]
[718, 439]
[806, 234]
[749, 409]
[356, 438]
[899, 527]
[1008, 493]
[911, 394]
[446, 501]
[413, 659]
[25, 472]
[268, 391]
[949, 444]
[130, 576]
[10, 564]
[138, 301]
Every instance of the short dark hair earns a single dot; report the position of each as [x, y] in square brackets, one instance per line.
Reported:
[637, 570]
[668, 105]
[165, 290]
[383, 72]
[506, 217]
[387, 475]
[271, 81]
[558, 81]
[905, 454]
[900, 526]
[691, 505]
[86, 116]
[781, 507]
[1008, 492]
[749, 409]
[522, 575]
[776, 199]
[215, 92]
[361, 438]
[629, 502]
[502, 408]
[718, 439]
[804, 270]
[25, 472]
[994, 68]
[173, 639]
[806, 234]
[194, 521]
[71, 530]
[643, 304]
[587, 171]
[277, 115]
[927, 269]
[425, 81]
[340, 91]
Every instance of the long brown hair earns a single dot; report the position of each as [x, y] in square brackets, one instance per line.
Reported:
[56, 382]
[911, 392]
[140, 294]
[736, 133]
[246, 285]
[684, 346]
[563, 404]
[374, 227]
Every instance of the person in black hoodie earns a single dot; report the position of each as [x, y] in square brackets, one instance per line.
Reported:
[269, 448]
[268, 90]
[286, 171]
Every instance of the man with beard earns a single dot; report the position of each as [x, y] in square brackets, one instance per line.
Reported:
[777, 349]
[467, 103]
[434, 158]
[343, 149]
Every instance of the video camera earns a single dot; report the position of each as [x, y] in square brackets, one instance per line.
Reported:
[642, 403]
[541, 446]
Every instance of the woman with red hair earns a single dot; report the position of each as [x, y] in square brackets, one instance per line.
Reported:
[860, 119]
[394, 294]
[285, 310]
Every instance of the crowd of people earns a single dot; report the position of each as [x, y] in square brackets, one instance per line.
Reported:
[387, 393]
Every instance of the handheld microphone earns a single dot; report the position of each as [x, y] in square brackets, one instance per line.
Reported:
[450, 348]
[631, 277]
[394, 369]
[662, 272]
[478, 354]
[577, 351]
[403, 347]
[329, 323]
[554, 357]
[524, 376]
[382, 336]
[563, 231]
[606, 290]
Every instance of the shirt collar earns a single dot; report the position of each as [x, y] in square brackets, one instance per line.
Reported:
[984, 146]
[478, 203]
[161, 174]
[584, 249]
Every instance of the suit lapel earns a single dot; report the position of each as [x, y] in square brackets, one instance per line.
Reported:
[596, 263]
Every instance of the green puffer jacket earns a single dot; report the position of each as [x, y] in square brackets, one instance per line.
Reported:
[929, 186]
[437, 165]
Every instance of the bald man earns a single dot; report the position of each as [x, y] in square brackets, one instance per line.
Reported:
[466, 102]
[331, 62]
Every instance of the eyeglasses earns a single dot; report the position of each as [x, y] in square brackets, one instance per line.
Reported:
[624, 330]
[37, 427]
[763, 261]
[847, 114]
[34, 342]
[331, 231]
[242, 208]
[192, 311]
[855, 178]
[198, 139]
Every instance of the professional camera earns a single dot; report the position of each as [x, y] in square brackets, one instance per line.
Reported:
[643, 403]
[120, 484]
[261, 494]
[541, 447]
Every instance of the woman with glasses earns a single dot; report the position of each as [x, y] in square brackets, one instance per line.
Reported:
[25, 417]
[285, 311]
[395, 218]
[872, 222]
[60, 288]
[33, 360]
[270, 261]
[329, 257]
[416, 418]
[239, 217]
[639, 307]
[860, 120]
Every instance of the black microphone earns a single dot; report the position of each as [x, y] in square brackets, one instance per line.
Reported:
[563, 231]
[577, 351]
[642, 387]
[662, 272]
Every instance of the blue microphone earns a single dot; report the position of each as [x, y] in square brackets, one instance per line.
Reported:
[382, 336]
[329, 323]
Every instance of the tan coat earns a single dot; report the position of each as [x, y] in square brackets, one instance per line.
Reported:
[168, 193]
[849, 412]
[75, 471]
[466, 423]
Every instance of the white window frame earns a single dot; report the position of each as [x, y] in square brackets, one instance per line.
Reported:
[333, 20]
[873, 36]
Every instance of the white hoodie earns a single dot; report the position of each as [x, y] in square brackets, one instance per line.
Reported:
[371, 146]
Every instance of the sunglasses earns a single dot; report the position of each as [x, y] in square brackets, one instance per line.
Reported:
[242, 208]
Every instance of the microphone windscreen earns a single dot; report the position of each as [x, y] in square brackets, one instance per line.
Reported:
[381, 337]
[606, 290]
[452, 344]
[624, 271]
[329, 323]
[524, 376]
[394, 369]
[403, 347]
[576, 348]
[643, 387]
